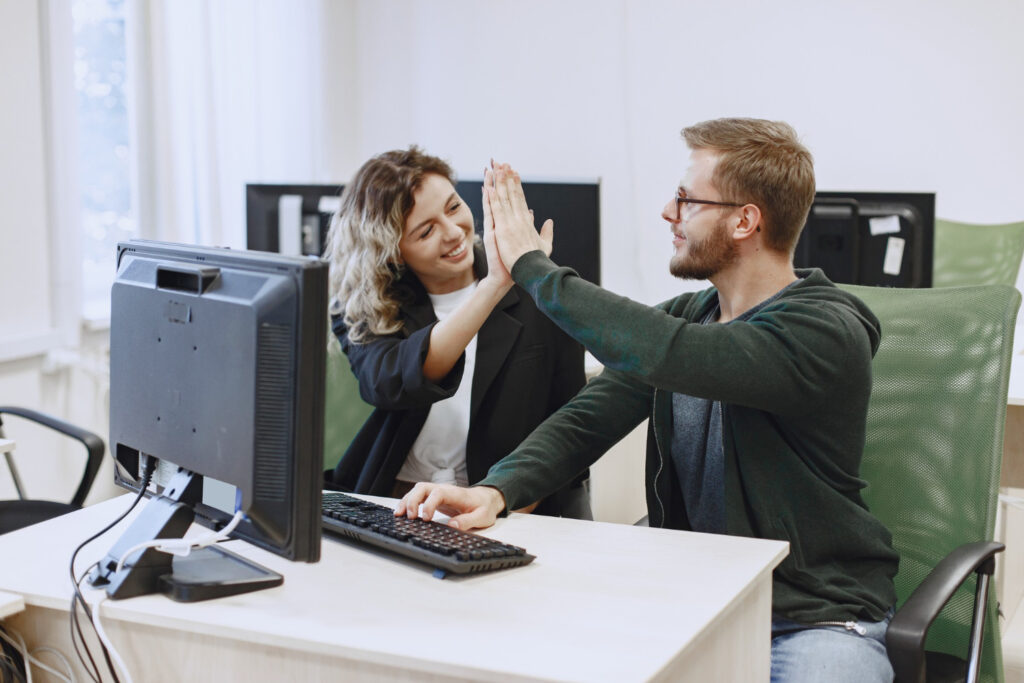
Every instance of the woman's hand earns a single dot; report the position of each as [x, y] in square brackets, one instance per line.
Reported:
[514, 230]
[496, 270]
[450, 337]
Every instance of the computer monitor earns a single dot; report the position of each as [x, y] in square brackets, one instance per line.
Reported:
[294, 219]
[574, 206]
[870, 238]
[290, 219]
[217, 365]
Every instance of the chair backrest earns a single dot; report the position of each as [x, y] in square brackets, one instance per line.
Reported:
[16, 514]
[344, 410]
[935, 436]
[968, 254]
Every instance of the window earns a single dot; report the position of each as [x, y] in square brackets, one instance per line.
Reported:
[104, 161]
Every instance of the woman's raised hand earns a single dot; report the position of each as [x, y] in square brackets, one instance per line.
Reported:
[496, 270]
[514, 231]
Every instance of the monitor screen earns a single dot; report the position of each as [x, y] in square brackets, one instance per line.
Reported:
[294, 219]
[575, 207]
[217, 366]
[870, 238]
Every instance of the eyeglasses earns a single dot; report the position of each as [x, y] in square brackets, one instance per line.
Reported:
[688, 200]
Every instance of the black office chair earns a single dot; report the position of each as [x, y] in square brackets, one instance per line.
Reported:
[16, 514]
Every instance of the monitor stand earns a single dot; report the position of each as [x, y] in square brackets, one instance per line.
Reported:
[205, 573]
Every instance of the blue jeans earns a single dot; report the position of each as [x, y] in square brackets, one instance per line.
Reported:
[806, 654]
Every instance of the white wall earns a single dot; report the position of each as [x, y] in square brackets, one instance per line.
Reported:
[905, 95]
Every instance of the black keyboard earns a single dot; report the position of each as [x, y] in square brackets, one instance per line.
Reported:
[444, 548]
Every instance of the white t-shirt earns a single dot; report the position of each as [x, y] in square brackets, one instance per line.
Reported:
[439, 452]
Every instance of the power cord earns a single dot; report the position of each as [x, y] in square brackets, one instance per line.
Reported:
[102, 635]
[175, 546]
[18, 643]
[90, 667]
[183, 546]
[59, 655]
[12, 662]
[77, 599]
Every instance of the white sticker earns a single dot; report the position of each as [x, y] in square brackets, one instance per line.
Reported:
[328, 204]
[893, 256]
[884, 225]
[289, 224]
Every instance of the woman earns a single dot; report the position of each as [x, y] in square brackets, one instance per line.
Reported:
[458, 363]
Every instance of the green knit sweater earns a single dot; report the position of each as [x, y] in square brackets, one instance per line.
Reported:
[794, 382]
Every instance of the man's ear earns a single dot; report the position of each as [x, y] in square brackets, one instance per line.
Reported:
[748, 222]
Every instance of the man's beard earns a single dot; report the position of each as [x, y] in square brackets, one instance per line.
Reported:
[704, 259]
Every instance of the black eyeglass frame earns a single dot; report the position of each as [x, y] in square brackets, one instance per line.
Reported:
[687, 200]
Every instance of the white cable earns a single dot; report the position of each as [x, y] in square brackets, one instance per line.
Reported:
[20, 647]
[30, 660]
[183, 546]
[106, 641]
[64, 660]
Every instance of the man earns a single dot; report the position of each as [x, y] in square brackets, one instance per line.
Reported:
[756, 389]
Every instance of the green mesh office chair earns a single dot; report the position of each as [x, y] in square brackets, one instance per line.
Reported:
[932, 463]
[967, 254]
[344, 410]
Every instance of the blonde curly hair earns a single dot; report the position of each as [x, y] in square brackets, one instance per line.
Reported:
[362, 243]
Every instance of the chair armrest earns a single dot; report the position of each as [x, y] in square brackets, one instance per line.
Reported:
[93, 444]
[909, 626]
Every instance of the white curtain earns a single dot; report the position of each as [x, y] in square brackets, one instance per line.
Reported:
[226, 92]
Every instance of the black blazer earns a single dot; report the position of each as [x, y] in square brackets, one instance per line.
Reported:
[526, 368]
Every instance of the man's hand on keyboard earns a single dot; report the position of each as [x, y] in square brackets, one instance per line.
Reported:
[469, 508]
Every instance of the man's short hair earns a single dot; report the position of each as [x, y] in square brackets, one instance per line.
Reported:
[761, 162]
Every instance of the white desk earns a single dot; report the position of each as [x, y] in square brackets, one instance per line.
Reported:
[600, 602]
[10, 603]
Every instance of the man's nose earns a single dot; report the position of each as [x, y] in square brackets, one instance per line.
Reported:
[671, 211]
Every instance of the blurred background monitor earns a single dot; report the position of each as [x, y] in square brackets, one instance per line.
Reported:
[870, 238]
[574, 206]
[294, 219]
[289, 219]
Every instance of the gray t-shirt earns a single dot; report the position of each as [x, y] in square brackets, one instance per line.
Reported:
[697, 451]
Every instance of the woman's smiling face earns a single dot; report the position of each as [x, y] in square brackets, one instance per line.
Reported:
[437, 241]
